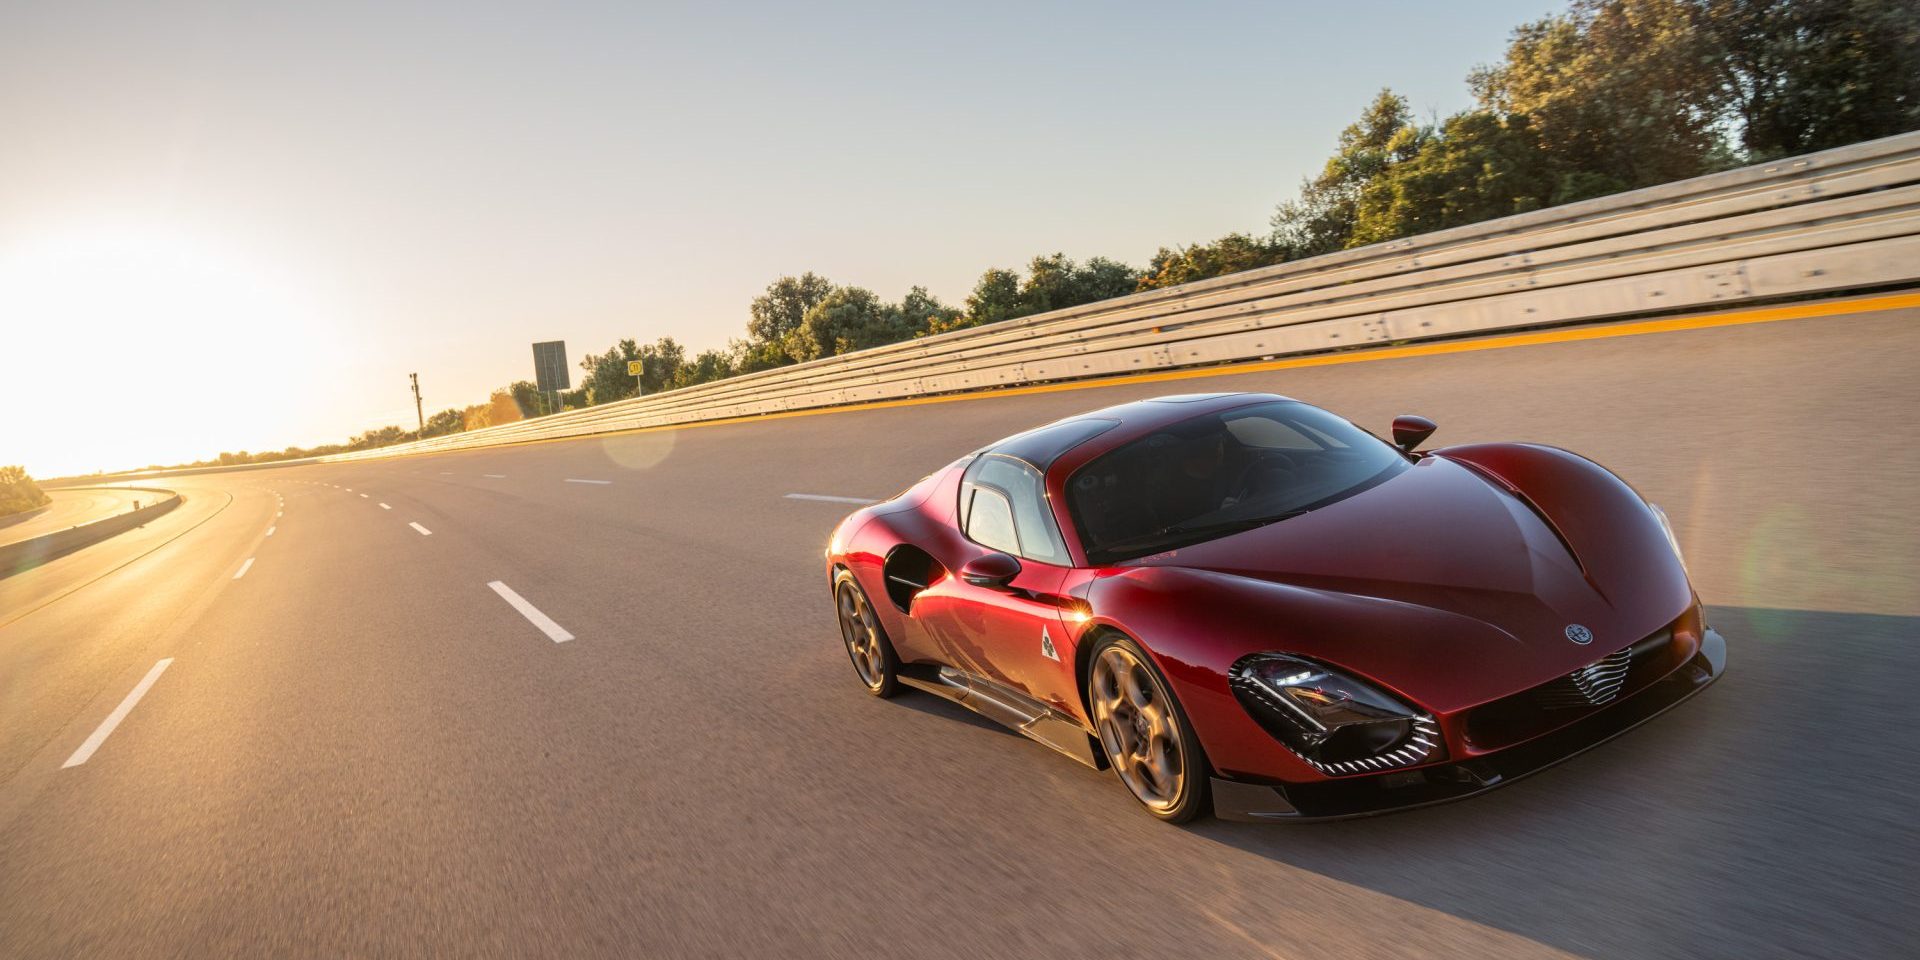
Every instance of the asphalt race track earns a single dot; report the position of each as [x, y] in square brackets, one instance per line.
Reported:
[358, 747]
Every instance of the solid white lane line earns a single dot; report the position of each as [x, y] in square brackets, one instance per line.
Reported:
[119, 713]
[270, 530]
[423, 530]
[244, 568]
[532, 613]
[494, 476]
[600, 482]
[385, 507]
[823, 498]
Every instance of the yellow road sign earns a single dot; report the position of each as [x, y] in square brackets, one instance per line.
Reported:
[634, 368]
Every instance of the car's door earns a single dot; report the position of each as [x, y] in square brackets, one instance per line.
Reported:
[1013, 633]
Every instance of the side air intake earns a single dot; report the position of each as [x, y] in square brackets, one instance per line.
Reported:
[909, 570]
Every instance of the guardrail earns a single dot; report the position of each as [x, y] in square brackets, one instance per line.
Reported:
[1842, 219]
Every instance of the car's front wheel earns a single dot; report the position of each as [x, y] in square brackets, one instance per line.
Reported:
[1147, 738]
[873, 658]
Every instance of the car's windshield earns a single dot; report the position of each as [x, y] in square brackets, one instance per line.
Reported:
[1221, 473]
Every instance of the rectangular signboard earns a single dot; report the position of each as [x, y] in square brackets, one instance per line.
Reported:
[550, 366]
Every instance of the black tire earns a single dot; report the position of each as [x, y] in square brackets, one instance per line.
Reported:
[1137, 729]
[874, 662]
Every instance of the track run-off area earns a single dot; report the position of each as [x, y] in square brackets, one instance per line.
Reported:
[587, 698]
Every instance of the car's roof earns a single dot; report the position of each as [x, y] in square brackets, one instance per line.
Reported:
[1041, 446]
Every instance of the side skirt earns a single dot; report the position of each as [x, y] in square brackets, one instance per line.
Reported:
[1024, 715]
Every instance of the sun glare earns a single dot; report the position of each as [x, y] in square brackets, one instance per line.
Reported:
[136, 344]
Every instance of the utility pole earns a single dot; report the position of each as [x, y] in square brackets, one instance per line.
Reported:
[417, 412]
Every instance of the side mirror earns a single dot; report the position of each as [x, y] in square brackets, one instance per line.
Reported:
[1410, 431]
[994, 570]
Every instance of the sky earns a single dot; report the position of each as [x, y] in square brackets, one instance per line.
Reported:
[230, 226]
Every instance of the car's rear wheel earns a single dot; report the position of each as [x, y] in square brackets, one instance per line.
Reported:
[873, 658]
[1147, 738]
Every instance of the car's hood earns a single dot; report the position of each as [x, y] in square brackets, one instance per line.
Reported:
[1461, 571]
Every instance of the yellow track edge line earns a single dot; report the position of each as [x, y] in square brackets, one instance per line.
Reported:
[1604, 331]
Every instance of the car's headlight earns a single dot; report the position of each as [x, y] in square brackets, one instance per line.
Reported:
[1666, 527]
[1331, 720]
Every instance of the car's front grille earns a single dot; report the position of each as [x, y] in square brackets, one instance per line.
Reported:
[1532, 712]
[1595, 684]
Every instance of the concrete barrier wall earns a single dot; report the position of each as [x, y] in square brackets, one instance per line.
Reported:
[27, 554]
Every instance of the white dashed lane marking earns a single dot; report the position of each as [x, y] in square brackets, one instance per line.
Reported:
[600, 482]
[423, 530]
[119, 713]
[823, 498]
[553, 630]
[244, 568]
[385, 507]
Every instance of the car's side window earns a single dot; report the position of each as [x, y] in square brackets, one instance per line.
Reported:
[1022, 490]
[990, 521]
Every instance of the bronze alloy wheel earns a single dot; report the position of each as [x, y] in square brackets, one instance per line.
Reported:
[1144, 732]
[866, 641]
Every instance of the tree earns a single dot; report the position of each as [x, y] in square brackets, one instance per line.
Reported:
[1805, 75]
[660, 363]
[1621, 93]
[528, 399]
[1229, 254]
[1056, 283]
[995, 297]
[847, 319]
[451, 420]
[606, 377]
[18, 492]
[380, 437]
[1475, 167]
[777, 313]
[920, 312]
[750, 356]
[708, 366]
[1321, 220]
[1053, 282]
[505, 405]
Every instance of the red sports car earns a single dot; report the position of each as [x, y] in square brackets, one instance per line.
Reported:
[1244, 601]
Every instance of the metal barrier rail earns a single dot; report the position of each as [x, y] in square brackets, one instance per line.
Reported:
[1842, 219]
